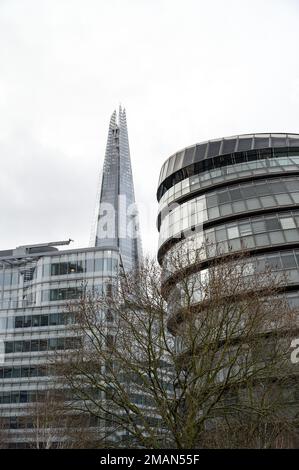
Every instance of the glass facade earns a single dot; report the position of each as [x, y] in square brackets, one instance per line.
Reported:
[37, 281]
[34, 289]
[117, 223]
[231, 194]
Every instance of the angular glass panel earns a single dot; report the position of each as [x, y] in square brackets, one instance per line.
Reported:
[19, 322]
[233, 232]
[283, 199]
[225, 209]
[287, 222]
[261, 142]
[220, 235]
[213, 213]
[223, 197]
[235, 194]
[244, 143]
[258, 226]
[200, 152]
[239, 206]
[35, 320]
[253, 203]
[245, 229]
[248, 191]
[262, 240]
[292, 235]
[288, 260]
[268, 201]
[214, 148]
[228, 145]
[272, 224]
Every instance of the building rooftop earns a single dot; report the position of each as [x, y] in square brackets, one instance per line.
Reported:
[224, 146]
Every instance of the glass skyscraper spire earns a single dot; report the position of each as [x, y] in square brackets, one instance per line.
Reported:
[117, 218]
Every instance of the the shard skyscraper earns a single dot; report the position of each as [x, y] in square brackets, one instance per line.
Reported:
[117, 219]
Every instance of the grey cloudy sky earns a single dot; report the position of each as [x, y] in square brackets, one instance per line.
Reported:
[186, 71]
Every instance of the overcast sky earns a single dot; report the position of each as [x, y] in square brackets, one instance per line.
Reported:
[186, 71]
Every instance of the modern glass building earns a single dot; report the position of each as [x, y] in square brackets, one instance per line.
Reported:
[117, 221]
[36, 282]
[234, 193]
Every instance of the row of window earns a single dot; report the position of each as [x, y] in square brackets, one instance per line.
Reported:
[189, 169]
[107, 265]
[256, 188]
[62, 293]
[21, 396]
[228, 173]
[286, 261]
[33, 321]
[28, 422]
[255, 232]
[194, 212]
[45, 344]
[12, 276]
[278, 228]
[11, 299]
[16, 372]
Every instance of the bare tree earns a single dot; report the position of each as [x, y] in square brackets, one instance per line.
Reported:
[51, 423]
[3, 433]
[185, 365]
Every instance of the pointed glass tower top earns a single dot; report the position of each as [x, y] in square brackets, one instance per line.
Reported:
[117, 221]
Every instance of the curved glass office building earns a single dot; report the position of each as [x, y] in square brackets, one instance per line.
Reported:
[233, 193]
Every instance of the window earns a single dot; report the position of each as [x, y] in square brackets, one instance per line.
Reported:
[274, 262]
[239, 206]
[258, 226]
[18, 346]
[19, 322]
[248, 192]
[277, 187]
[235, 194]
[288, 261]
[54, 319]
[44, 320]
[276, 237]
[35, 320]
[232, 232]
[245, 229]
[99, 264]
[225, 209]
[272, 224]
[43, 344]
[262, 240]
[9, 347]
[263, 189]
[212, 200]
[55, 269]
[223, 197]
[25, 371]
[268, 201]
[253, 203]
[287, 222]
[220, 235]
[23, 397]
[7, 373]
[283, 199]
[27, 321]
[291, 235]
[16, 372]
[213, 213]
[26, 345]
[34, 345]
[109, 316]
